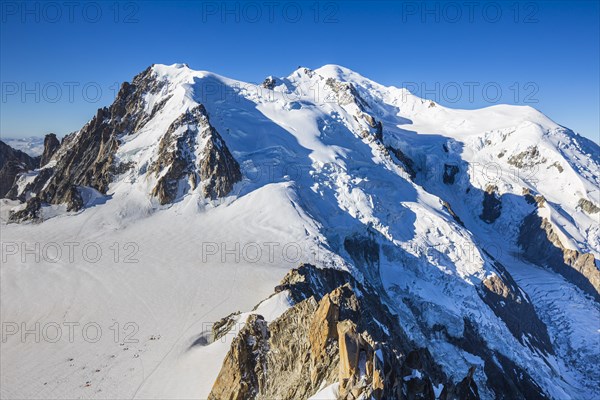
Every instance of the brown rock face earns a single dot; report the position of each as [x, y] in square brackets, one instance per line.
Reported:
[528, 158]
[51, 145]
[322, 332]
[215, 168]
[588, 206]
[244, 370]
[331, 334]
[345, 94]
[360, 371]
[88, 156]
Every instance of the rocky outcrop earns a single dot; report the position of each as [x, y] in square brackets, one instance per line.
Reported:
[31, 211]
[530, 198]
[269, 83]
[8, 175]
[588, 206]
[32, 188]
[346, 94]
[407, 163]
[450, 172]
[219, 171]
[331, 334]
[13, 163]
[51, 145]
[224, 325]
[542, 246]
[179, 157]
[450, 211]
[492, 205]
[529, 158]
[244, 371]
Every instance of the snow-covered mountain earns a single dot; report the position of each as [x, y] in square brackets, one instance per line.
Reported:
[468, 240]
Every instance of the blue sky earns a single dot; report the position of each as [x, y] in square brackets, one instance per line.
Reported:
[60, 62]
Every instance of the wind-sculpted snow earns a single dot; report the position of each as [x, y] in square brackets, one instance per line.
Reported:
[422, 203]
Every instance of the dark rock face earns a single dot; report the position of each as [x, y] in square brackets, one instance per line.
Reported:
[465, 390]
[51, 145]
[407, 163]
[542, 246]
[512, 305]
[506, 379]
[12, 163]
[450, 172]
[31, 188]
[269, 83]
[342, 334]
[73, 199]
[31, 212]
[364, 251]
[8, 175]
[7, 154]
[492, 206]
[216, 168]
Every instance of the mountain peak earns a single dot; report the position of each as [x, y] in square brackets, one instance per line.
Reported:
[337, 72]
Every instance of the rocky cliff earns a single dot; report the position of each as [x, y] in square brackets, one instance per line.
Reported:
[12, 163]
[340, 331]
[190, 152]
